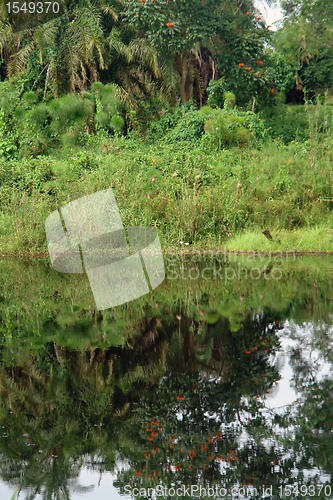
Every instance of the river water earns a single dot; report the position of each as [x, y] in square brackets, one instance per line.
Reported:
[217, 384]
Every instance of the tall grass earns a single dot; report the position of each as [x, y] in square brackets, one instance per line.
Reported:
[190, 192]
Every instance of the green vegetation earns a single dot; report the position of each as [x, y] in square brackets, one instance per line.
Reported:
[185, 183]
[218, 132]
[181, 109]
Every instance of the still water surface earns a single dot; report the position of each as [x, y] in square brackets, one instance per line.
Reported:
[221, 380]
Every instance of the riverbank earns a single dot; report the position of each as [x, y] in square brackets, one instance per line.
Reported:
[315, 241]
[196, 199]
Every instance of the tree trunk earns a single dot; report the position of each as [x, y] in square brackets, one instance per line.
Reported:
[183, 59]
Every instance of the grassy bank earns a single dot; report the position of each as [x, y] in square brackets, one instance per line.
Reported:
[209, 199]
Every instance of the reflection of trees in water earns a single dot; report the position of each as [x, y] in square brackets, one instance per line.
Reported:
[313, 439]
[308, 424]
[313, 347]
[60, 405]
[74, 377]
[52, 410]
[184, 425]
[195, 415]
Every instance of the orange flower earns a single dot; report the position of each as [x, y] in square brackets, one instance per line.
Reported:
[170, 24]
[265, 341]
[218, 435]
[210, 456]
[178, 467]
[219, 458]
[172, 439]
[241, 65]
[154, 433]
[150, 439]
[137, 473]
[204, 447]
[255, 348]
[183, 451]
[191, 453]
[190, 466]
[271, 90]
[259, 62]
[265, 349]
[160, 428]
[171, 447]
[180, 398]
[154, 449]
[248, 69]
[277, 323]
[248, 13]
[259, 74]
[247, 352]
[168, 468]
[155, 423]
[155, 473]
[205, 468]
[149, 430]
[211, 440]
[147, 454]
[269, 26]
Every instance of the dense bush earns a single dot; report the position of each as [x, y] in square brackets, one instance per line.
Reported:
[30, 127]
[297, 122]
[213, 126]
[226, 127]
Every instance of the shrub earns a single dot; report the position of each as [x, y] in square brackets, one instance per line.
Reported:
[30, 128]
[216, 90]
[227, 127]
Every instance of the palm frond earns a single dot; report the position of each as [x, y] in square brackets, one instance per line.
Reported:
[19, 60]
[141, 51]
[116, 44]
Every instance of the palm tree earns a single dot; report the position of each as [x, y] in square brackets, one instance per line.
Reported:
[67, 47]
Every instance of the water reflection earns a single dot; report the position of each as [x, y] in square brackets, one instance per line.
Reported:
[173, 390]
